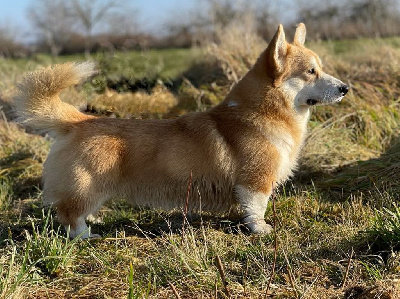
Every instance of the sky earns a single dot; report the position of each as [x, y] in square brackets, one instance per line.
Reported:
[13, 14]
[152, 14]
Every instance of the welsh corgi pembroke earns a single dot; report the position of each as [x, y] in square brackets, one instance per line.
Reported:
[234, 153]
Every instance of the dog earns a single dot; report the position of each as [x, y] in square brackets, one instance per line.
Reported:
[233, 154]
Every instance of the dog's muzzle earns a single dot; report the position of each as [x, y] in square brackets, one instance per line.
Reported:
[344, 89]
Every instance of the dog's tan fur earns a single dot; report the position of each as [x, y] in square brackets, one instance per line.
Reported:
[235, 151]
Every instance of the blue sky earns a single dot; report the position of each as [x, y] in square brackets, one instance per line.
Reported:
[13, 13]
[152, 13]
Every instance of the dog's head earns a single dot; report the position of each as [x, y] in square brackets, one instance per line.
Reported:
[298, 72]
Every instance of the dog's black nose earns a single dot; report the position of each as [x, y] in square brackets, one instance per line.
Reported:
[343, 89]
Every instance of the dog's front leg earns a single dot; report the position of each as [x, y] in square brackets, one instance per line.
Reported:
[253, 205]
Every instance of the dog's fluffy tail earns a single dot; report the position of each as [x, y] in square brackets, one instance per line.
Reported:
[38, 104]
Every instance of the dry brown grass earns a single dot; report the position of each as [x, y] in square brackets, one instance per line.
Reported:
[237, 48]
[317, 229]
[160, 101]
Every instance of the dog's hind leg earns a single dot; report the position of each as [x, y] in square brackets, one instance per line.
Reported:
[81, 229]
[72, 214]
[253, 205]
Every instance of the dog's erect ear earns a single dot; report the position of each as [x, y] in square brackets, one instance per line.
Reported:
[277, 49]
[300, 35]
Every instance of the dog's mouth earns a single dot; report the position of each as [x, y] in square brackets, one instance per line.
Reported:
[313, 102]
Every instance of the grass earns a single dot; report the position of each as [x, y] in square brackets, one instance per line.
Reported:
[386, 227]
[337, 218]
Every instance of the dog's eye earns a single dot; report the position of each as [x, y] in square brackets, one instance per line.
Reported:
[311, 71]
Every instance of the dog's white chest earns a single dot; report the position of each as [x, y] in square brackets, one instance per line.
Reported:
[285, 146]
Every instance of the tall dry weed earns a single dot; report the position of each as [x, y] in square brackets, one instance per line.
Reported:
[237, 46]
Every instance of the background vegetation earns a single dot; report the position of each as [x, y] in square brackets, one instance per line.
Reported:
[338, 219]
[66, 27]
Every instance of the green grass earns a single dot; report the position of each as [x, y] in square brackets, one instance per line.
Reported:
[124, 71]
[5, 193]
[351, 46]
[340, 201]
[47, 248]
[386, 227]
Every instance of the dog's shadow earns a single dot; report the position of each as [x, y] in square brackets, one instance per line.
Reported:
[377, 175]
[146, 222]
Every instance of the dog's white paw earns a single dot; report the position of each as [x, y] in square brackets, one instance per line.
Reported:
[82, 233]
[259, 227]
[94, 236]
[86, 236]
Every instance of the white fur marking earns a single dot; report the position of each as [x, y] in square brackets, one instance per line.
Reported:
[292, 86]
[325, 90]
[254, 205]
[284, 144]
[81, 230]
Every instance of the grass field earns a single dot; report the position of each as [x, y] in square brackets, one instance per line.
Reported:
[338, 219]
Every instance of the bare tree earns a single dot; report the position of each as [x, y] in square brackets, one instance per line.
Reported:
[53, 21]
[205, 22]
[322, 18]
[89, 13]
[222, 12]
[9, 45]
[374, 16]
[123, 22]
[353, 18]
